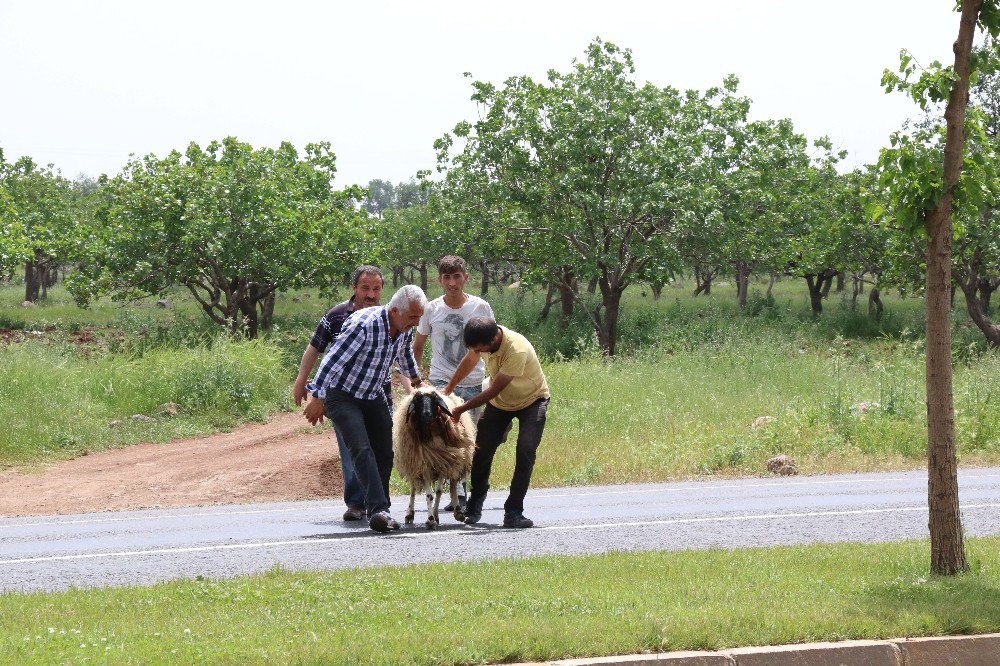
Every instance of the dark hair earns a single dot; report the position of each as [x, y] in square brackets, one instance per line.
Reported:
[479, 331]
[451, 264]
[365, 270]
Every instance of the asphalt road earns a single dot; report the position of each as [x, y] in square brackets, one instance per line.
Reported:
[143, 547]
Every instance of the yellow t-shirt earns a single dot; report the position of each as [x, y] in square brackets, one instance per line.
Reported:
[516, 358]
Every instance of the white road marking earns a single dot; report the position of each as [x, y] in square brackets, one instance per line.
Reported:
[423, 535]
[535, 494]
[206, 514]
[752, 485]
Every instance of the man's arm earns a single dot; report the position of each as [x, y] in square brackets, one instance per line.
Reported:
[462, 371]
[309, 357]
[418, 347]
[408, 364]
[497, 384]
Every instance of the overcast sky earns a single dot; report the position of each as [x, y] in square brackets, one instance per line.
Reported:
[85, 83]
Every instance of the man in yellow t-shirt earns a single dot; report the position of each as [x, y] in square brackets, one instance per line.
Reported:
[517, 390]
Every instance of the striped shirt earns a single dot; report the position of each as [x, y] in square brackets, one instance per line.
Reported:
[360, 359]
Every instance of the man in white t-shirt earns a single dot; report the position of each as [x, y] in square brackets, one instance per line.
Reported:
[444, 322]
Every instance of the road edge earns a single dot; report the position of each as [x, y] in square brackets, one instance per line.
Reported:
[976, 650]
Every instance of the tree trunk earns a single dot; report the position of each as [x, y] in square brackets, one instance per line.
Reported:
[770, 284]
[607, 329]
[875, 304]
[657, 288]
[945, 523]
[592, 286]
[549, 301]
[841, 278]
[815, 283]
[703, 281]
[967, 278]
[566, 286]
[986, 289]
[267, 312]
[423, 276]
[827, 283]
[32, 283]
[484, 286]
[978, 314]
[742, 284]
[250, 321]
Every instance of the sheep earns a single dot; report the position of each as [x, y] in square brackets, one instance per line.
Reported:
[429, 448]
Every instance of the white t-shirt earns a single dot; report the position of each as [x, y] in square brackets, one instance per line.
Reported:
[444, 326]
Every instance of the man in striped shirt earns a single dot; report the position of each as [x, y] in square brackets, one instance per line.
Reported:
[347, 388]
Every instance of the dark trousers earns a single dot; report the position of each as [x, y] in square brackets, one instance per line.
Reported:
[367, 431]
[492, 430]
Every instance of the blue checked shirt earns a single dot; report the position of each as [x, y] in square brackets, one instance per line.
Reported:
[360, 359]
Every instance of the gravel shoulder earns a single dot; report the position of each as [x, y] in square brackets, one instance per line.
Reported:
[281, 460]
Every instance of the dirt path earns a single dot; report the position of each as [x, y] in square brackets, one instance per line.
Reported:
[269, 462]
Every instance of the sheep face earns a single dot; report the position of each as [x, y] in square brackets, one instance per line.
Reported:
[426, 412]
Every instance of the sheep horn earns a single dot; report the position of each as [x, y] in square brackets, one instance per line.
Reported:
[442, 404]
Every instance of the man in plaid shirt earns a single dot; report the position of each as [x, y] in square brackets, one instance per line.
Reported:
[367, 283]
[347, 388]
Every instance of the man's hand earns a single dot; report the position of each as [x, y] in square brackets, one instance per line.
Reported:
[456, 412]
[314, 410]
[299, 391]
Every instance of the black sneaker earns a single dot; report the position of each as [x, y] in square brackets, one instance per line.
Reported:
[382, 522]
[473, 511]
[516, 520]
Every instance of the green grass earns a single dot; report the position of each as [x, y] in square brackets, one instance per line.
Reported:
[510, 610]
[670, 415]
[693, 376]
[56, 403]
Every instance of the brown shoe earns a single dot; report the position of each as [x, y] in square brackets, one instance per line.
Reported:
[354, 513]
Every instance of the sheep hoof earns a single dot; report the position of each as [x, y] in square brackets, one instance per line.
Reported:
[408, 519]
[431, 523]
[459, 515]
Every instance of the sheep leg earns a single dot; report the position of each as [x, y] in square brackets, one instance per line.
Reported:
[432, 505]
[408, 519]
[459, 507]
[463, 488]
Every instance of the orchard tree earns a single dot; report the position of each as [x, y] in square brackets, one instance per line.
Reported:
[415, 238]
[595, 171]
[14, 247]
[764, 174]
[977, 249]
[926, 194]
[379, 197]
[469, 208]
[823, 226]
[43, 222]
[232, 224]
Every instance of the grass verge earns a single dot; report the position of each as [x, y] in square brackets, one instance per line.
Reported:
[55, 403]
[509, 610]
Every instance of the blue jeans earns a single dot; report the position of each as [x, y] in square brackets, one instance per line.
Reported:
[354, 494]
[466, 393]
[367, 431]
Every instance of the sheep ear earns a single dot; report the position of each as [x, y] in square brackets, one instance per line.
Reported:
[442, 404]
[411, 409]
